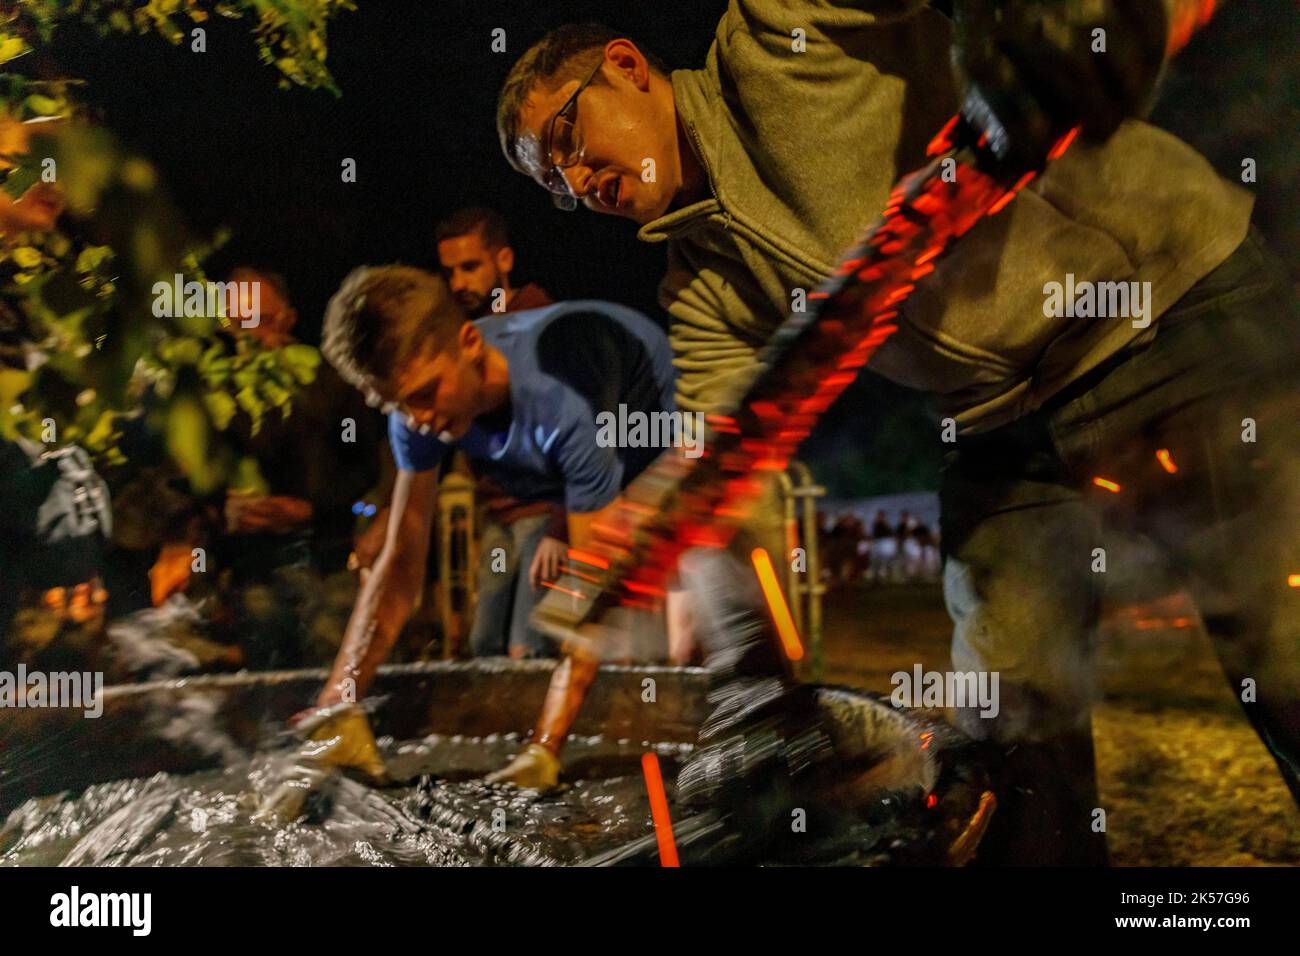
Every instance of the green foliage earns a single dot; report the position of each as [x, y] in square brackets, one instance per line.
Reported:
[290, 34]
[81, 343]
[93, 353]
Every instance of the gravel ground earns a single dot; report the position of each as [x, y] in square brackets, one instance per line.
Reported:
[1183, 778]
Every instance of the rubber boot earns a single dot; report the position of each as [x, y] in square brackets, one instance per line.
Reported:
[765, 737]
[1047, 798]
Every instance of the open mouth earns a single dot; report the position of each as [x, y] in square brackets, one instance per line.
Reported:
[610, 191]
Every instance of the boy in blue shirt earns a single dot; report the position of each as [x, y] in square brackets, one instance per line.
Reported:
[520, 393]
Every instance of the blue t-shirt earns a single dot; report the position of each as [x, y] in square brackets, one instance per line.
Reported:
[568, 362]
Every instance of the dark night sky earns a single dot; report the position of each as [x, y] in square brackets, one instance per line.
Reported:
[419, 86]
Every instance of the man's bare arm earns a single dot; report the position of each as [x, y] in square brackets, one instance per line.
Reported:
[391, 591]
[577, 670]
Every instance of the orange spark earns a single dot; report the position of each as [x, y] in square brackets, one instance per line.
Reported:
[776, 604]
[1293, 580]
[1107, 484]
[1166, 462]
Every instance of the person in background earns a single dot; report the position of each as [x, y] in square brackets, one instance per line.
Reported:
[56, 516]
[520, 394]
[522, 542]
[906, 554]
[284, 531]
[883, 547]
[476, 259]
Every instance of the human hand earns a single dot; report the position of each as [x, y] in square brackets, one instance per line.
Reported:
[546, 561]
[1038, 68]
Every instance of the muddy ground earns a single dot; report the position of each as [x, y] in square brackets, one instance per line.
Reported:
[1183, 777]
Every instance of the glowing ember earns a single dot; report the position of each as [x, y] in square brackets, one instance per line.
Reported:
[1166, 462]
[1161, 623]
[1107, 484]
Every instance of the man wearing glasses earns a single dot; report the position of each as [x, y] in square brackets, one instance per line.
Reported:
[769, 161]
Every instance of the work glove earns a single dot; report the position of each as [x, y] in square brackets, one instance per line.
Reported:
[329, 740]
[1036, 68]
[534, 768]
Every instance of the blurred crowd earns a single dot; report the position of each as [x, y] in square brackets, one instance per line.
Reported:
[886, 552]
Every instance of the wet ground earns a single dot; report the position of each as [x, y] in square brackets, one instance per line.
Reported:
[444, 819]
[1183, 777]
[444, 815]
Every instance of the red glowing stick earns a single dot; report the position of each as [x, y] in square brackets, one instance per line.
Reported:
[654, 784]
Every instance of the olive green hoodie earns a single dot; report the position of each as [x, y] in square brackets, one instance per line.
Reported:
[802, 135]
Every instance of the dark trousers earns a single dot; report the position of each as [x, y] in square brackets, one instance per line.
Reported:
[1218, 389]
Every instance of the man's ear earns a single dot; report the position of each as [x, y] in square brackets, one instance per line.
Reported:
[629, 62]
[505, 262]
[470, 340]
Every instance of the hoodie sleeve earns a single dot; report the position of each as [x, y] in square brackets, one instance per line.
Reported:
[839, 13]
[782, 27]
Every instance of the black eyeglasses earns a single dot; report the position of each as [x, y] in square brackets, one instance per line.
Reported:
[565, 148]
